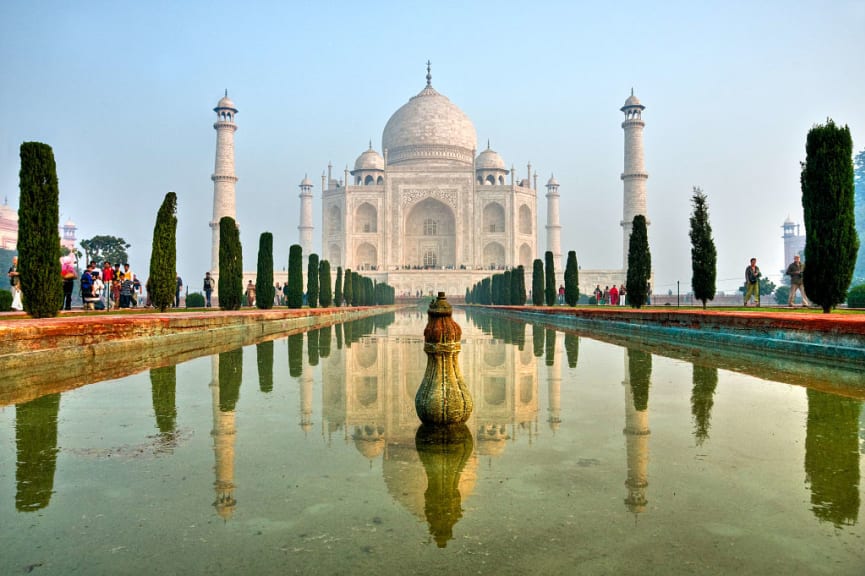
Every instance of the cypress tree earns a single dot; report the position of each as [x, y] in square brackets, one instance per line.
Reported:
[506, 288]
[347, 287]
[549, 278]
[38, 232]
[572, 279]
[703, 255]
[325, 295]
[295, 276]
[230, 265]
[264, 289]
[337, 289]
[355, 289]
[163, 255]
[538, 282]
[521, 285]
[639, 263]
[487, 291]
[312, 281]
[830, 227]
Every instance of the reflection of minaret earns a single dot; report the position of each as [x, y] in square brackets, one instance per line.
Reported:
[554, 229]
[638, 369]
[306, 400]
[223, 434]
[702, 394]
[223, 177]
[634, 175]
[554, 383]
[832, 457]
[36, 440]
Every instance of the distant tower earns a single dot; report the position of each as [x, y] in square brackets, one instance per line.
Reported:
[223, 173]
[635, 175]
[305, 229]
[794, 242]
[554, 230]
[68, 238]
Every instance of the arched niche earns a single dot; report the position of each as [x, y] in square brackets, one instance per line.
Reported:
[525, 218]
[430, 225]
[366, 257]
[366, 390]
[526, 260]
[334, 219]
[366, 219]
[494, 255]
[334, 255]
[495, 390]
[494, 218]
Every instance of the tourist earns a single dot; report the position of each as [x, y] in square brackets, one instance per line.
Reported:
[177, 292]
[107, 273]
[561, 293]
[136, 290]
[614, 296]
[208, 288]
[96, 291]
[795, 271]
[250, 294]
[277, 295]
[598, 295]
[125, 289]
[622, 293]
[15, 283]
[67, 271]
[605, 297]
[752, 282]
[87, 287]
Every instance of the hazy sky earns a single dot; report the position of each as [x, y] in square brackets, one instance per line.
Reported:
[124, 92]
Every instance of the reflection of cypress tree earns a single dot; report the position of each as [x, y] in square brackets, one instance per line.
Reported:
[444, 452]
[264, 355]
[312, 347]
[347, 331]
[339, 329]
[324, 342]
[572, 348]
[295, 355]
[163, 382]
[518, 334]
[230, 377]
[497, 328]
[36, 439]
[705, 381]
[382, 321]
[538, 340]
[832, 457]
[550, 355]
[640, 369]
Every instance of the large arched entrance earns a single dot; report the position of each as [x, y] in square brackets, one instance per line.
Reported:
[430, 236]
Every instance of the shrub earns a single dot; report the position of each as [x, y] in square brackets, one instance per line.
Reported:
[856, 296]
[5, 300]
[195, 300]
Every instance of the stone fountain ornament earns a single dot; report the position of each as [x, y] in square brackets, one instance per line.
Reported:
[443, 398]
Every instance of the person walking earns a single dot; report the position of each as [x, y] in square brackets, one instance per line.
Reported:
[177, 292]
[15, 284]
[208, 288]
[752, 282]
[250, 294]
[795, 271]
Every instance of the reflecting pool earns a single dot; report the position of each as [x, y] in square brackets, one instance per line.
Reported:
[304, 455]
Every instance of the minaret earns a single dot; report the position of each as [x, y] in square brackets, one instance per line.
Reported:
[635, 175]
[305, 229]
[223, 173]
[554, 229]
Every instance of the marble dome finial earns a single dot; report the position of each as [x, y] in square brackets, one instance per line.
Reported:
[428, 74]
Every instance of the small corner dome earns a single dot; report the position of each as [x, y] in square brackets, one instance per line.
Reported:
[788, 221]
[369, 160]
[306, 181]
[225, 102]
[490, 160]
[552, 181]
[69, 224]
[633, 101]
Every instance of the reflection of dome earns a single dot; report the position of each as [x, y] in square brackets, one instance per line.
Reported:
[489, 160]
[429, 127]
[369, 160]
[491, 439]
[369, 440]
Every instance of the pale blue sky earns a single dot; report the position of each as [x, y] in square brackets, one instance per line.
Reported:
[124, 91]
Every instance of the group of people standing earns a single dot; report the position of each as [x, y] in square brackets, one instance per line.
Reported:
[113, 288]
[610, 296]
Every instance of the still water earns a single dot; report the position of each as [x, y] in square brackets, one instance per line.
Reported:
[304, 455]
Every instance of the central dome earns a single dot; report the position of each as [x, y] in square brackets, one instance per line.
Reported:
[429, 127]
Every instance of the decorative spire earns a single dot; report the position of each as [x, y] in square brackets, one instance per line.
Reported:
[226, 92]
[428, 74]
[370, 143]
[488, 143]
[632, 90]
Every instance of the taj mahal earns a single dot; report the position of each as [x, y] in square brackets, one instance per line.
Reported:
[429, 212]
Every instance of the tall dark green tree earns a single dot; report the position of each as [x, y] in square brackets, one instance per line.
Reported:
[549, 279]
[230, 283]
[506, 288]
[572, 279]
[348, 287]
[703, 255]
[639, 263]
[38, 236]
[325, 294]
[337, 289]
[830, 227]
[538, 282]
[521, 285]
[163, 255]
[312, 281]
[295, 276]
[264, 288]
